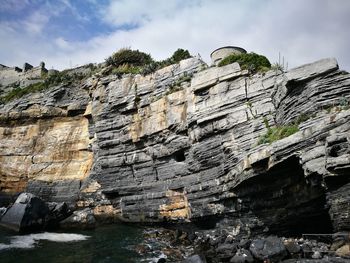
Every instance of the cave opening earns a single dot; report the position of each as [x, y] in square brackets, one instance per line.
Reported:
[75, 112]
[334, 182]
[286, 201]
[179, 156]
[112, 195]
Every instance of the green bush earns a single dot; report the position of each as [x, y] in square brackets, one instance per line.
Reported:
[278, 133]
[176, 85]
[126, 61]
[55, 79]
[126, 69]
[149, 68]
[344, 103]
[251, 61]
[283, 131]
[130, 57]
[180, 54]
[18, 92]
[176, 57]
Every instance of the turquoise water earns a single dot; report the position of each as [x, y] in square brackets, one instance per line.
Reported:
[105, 244]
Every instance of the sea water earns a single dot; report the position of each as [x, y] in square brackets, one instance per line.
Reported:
[106, 244]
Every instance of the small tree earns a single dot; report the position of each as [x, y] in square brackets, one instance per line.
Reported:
[180, 54]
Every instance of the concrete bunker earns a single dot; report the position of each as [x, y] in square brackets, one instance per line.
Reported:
[218, 54]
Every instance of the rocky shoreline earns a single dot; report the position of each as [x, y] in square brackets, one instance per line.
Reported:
[212, 246]
[223, 248]
[186, 243]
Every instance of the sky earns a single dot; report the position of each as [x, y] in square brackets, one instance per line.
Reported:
[69, 33]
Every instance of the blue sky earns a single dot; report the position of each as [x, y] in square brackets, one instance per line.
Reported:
[65, 33]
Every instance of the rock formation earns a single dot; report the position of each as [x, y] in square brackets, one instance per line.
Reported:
[182, 144]
[44, 138]
[11, 78]
[28, 212]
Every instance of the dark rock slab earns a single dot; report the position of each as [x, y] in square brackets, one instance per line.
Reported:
[57, 213]
[7, 199]
[82, 219]
[270, 248]
[2, 211]
[242, 256]
[292, 247]
[226, 250]
[26, 214]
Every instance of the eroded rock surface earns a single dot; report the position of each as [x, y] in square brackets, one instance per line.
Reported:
[182, 144]
[44, 144]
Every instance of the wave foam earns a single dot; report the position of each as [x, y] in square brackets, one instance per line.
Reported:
[29, 241]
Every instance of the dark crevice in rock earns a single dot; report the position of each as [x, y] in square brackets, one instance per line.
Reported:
[140, 144]
[133, 172]
[77, 112]
[206, 223]
[156, 174]
[6, 198]
[203, 92]
[334, 182]
[285, 201]
[179, 156]
[112, 194]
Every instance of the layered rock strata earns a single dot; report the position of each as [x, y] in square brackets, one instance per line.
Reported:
[182, 144]
[44, 144]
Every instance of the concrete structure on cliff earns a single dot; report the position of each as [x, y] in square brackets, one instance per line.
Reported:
[21, 77]
[219, 54]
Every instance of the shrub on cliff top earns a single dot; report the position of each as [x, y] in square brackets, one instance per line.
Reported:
[130, 57]
[176, 57]
[179, 55]
[251, 61]
[127, 61]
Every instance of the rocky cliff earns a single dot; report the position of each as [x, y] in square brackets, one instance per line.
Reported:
[186, 143]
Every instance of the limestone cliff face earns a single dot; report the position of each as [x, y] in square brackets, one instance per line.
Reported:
[42, 142]
[182, 144]
[46, 150]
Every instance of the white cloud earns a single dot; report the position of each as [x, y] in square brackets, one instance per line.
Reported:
[13, 5]
[80, 17]
[36, 22]
[303, 31]
[134, 12]
[63, 44]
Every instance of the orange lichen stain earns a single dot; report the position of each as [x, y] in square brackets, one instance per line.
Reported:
[46, 150]
[85, 203]
[159, 115]
[92, 188]
[107, 212]
[177, 206]
[136, 127]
